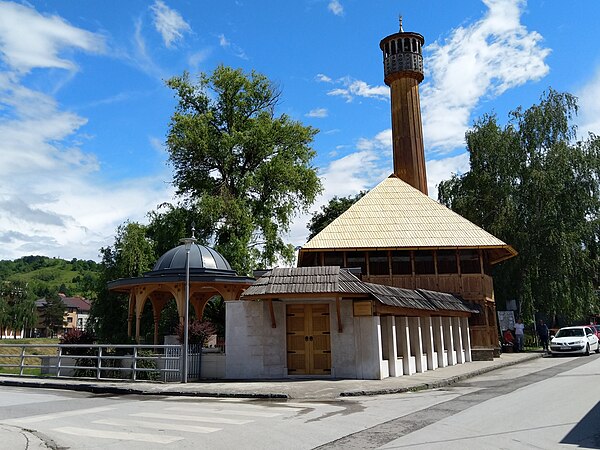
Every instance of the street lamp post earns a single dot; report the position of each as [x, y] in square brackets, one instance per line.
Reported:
[186, 310]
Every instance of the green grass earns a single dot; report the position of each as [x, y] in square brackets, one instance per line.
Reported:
[14, 354]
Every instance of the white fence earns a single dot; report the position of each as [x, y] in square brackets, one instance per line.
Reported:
[110, 362]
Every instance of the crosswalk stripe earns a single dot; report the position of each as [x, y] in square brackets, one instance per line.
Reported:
[196, 409]
[58, 415]
[121, 435]
[192, 418]
[157, 425]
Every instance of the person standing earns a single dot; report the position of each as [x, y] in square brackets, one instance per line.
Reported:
[519, 334]
[543, 334]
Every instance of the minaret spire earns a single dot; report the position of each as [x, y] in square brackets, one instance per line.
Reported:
[403, 71]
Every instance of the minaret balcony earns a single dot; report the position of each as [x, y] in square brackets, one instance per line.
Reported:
[403, 62]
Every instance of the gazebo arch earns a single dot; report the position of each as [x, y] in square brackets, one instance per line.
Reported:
[210, 275]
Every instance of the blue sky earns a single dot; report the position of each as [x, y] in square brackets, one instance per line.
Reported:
[84, 110]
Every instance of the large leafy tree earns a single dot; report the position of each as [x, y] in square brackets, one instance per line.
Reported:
[329, 212]
[240, 166]
[532, 184]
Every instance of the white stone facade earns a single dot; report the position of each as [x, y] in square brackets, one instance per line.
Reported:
[368, 347]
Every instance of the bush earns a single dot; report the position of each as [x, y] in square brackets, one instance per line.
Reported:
[198, 332]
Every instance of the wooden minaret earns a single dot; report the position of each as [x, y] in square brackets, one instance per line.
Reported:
[403, 70]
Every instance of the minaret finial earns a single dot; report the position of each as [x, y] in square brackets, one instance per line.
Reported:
[400, 20]
[193, 230]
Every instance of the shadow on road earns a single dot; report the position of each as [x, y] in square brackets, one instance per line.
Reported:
[586, 433]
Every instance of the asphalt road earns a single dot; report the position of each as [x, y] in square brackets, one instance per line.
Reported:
[544, 403]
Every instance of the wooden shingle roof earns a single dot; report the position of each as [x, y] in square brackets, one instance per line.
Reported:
[396, 215]
[309, 281]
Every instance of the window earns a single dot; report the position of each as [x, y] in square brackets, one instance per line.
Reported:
[378, 263]
[309, 259]
[333, 259]
[401, 264]
[424, 262]
[469, 261]
[446, 261]
[69, 320]
[356, 260]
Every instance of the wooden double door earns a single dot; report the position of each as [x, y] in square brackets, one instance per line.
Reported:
[308, 339]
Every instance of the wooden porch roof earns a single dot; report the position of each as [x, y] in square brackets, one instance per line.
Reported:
[335, 282]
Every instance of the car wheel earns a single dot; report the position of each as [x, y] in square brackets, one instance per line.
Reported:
[587, 350]
[598, 347]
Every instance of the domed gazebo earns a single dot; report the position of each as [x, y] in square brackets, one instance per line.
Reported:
[210, 275]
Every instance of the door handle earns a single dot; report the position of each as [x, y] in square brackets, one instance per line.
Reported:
[306, 338]
[310, 338]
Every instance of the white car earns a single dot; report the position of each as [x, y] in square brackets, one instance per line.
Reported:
[569, 340]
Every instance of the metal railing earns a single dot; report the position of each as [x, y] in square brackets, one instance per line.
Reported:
[96, 361]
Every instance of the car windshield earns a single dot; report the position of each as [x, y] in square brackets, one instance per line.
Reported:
[569, 332]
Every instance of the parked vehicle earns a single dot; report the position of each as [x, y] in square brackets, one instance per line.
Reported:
[574, 340]
[596, 330]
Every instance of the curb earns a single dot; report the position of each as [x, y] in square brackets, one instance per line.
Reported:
[98, 388]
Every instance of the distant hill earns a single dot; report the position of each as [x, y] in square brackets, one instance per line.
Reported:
[45, 275]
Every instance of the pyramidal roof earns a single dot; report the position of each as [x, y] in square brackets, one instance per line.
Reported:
[396, 215]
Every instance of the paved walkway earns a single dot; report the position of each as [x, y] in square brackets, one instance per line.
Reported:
[299, 389]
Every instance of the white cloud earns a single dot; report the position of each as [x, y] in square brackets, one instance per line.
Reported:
[54, 199]
[38, 44]
[169, 23]
[336, 7]
[199, 57]
[323, 78]
[236, 49]
[442, 169]
[352, 88]
[317, 112]
[589, 107]
[482, 60]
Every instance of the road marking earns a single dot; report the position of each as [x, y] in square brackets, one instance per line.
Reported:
[120, 435]
[194, 409]
[157, 425]
[59, 415]
[192, 418]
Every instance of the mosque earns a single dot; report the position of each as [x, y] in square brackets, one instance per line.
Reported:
[398, 284]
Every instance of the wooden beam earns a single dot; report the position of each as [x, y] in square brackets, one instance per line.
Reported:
[272, 313]
[339, 314]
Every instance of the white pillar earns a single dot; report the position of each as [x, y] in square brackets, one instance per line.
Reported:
[417, 343]
[391, 344]
[466, 338]
[458, 344]
[449, 340]
[427, 331]
[403, 335]
[438, 341]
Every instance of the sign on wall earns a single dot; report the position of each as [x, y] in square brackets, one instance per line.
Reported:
[506, 320]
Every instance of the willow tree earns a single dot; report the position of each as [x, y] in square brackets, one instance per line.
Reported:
[239, 164]
[535, 186]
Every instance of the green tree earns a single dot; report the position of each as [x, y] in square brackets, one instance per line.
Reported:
[238, 165]
[17, 307]
[537, 188]
[54, 313]
[131, 255]
[329, 212]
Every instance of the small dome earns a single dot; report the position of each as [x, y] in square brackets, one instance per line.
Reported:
[201, 257]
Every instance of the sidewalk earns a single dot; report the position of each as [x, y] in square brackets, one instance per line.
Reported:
[296, 388]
